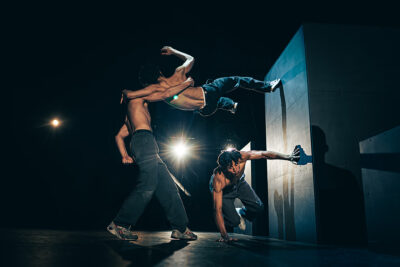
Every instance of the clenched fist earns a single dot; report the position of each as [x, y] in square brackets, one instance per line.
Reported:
[167, 50]
[127, 160]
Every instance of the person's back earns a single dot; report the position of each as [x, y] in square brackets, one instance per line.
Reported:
[138, 114]
[192, 98]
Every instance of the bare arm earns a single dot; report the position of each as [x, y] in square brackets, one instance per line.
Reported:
[119, 140]
[148, 90]
[188, 59]
[250, 155]
[253, 154]
[219, 219]
[170, 92]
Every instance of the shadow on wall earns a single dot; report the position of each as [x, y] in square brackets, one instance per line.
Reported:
[284, 208]
[279, 200]
[283, 204]
[340, 210]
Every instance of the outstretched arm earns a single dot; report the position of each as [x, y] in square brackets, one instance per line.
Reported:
[188, 59]
[219, 219]
[250, 155]
[148, 90]
[170, 92]
[119, 140]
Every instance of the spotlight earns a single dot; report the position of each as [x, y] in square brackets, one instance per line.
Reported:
[55, 123]
[180, 149]
[229, 148]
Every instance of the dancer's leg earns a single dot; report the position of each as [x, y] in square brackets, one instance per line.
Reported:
[221, 86]
[253, 206]
[231, 217]
[226, 103]
[228, 84]
[169, 198]
[147, 159]
[135, 203]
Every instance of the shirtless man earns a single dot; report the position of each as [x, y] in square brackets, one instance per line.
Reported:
[154, 177]
[205, 99]
[228, 183]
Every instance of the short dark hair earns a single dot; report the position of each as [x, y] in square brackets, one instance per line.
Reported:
[226, 157]
[149, 74]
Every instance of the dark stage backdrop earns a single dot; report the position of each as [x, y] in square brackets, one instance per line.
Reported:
[71, 177]
[72, 61]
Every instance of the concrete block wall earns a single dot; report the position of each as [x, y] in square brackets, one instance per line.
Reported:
[238, 203]
[353, 94]
[380, 157]
[291, 206]
[340, 86]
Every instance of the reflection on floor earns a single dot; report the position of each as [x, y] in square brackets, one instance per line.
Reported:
[65, 248]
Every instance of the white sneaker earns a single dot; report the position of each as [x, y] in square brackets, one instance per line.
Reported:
[187, 235]
[242, 224]
[233, 110]
[275, 84]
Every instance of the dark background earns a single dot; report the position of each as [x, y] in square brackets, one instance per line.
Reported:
[71, 60]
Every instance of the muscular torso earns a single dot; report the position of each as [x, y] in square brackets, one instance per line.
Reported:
[138, 114]
[192, 98]
[225, 182]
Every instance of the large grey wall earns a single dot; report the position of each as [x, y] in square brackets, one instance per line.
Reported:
[291, 207]
[353, 74]
[380, 157]
[340, 86]
[353, 79]
[238, 203]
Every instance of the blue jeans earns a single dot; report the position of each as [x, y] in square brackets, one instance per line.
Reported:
[253, 206]
[153, 179]
[215, 90]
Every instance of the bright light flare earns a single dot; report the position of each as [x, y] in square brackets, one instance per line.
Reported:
[180, 149]
[229, 148]
[55, 123]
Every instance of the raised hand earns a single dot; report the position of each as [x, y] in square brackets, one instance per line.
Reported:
[167, 51]
[123, 96]
[295, 156]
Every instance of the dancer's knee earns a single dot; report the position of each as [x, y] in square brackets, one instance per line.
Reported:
[255, 209]
[233, 222]
[146, 194]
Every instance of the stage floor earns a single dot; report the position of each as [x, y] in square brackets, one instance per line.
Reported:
[72, 248]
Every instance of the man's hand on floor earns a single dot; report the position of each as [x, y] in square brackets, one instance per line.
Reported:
[227, 239]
